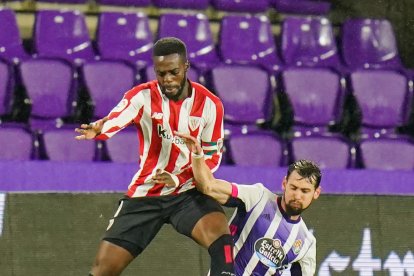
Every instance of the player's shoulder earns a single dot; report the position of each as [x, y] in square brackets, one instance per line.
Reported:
[140, 88]
[201, 89]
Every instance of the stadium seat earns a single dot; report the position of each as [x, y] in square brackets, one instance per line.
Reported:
[124, 146]
[316, 97]
[17, 143]
[310, 42]
[305, 7]
[125, 3]
[192, 74]
[370, 43]
[64, 1]
[247, 39]
[62, 34]
[259, 148]
[245, 102]
[182, 4]
[49, 85]
[194, 30]
[250, 6]
[11, 45]
[5, 88]
[125, 36]
[60, 145]
[383, 98]
[106, 82]
[328, 151]
[387, 153]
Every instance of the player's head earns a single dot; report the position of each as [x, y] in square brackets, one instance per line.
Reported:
[301, 186]
[170, 65]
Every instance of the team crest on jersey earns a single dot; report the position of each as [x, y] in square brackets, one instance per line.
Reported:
[121, 105]
[194, 122]
[297, 246]
[270, 252]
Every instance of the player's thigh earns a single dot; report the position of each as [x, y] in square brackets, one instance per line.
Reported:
[135, 223]
[201, 218]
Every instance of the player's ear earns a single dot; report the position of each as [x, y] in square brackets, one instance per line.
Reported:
[317, 192]
[187, 65]
[284, 183]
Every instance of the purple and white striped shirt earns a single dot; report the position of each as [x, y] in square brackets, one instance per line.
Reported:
[266, 240]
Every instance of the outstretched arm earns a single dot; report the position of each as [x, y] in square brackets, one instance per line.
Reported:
[206, 183]
[90, 131]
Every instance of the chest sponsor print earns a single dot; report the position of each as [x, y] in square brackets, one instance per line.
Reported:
[270, 252]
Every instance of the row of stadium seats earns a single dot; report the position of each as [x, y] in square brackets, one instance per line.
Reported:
[252, 149]
[304, 41]
[248, 6]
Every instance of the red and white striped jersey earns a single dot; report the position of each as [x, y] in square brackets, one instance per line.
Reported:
[156, 118]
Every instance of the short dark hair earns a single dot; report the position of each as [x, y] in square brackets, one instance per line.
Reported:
[169, 45]
[306, 169]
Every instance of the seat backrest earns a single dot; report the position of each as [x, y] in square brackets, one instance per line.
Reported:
[309, 41]
[182, 4]
[16, 144]
[305, 7]
[248, 39]
[62, 34]
[250, 6]
[369, 43]
[387, 153]
[5, 78]
[11, 45]
[315, 95]
[65, 1]
[135, 3]
[124, 147]
[194, 30]
[125, 36]
[382, 96]
[244, 100]
[256, 149]
[48, 83]
[326, 151]
[60, 145]
[106, 82]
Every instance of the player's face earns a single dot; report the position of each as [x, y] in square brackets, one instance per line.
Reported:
[171, 71]
[298, 194]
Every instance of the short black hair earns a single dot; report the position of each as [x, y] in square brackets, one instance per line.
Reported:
[169, 45]
[306, 169]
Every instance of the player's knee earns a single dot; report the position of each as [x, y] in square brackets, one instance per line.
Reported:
[221, 253]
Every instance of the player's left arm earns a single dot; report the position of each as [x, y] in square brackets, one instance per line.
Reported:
[308, 262]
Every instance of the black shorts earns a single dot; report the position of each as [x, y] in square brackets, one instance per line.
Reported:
[138, 220]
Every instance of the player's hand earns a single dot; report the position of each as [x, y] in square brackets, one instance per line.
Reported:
[192, 143]
[166, 178]
[89, 131]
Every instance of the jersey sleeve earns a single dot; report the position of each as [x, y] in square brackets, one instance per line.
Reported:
[250, 195]
[308, 262]
[123, 114]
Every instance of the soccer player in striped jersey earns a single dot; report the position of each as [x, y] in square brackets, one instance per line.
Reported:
[269, 234]
[157, 109]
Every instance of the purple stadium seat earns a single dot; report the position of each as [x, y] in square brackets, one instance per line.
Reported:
[5, 85]
[315, 95]
[16, 144]
[64, 1]
[387, 153]
[256, 149]
[11, 46]
[384, 99]
[125, 36]
[245, 101]
[192, 74]
[135, 3]
[124, 146]
[327, 151]
[62, 34]
[309, 41]
[61, 145]
[369, 43]
[250, 6]
[247, 39]
[301, 6]
[182, 4]
[48, 83]
[194, 30]
[106, 82]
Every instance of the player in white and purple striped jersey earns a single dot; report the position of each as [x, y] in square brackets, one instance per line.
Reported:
[269, 234]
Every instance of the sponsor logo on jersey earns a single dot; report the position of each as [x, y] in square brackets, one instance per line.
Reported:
[165, 134]
[297, 246]
[270, 252]
[157, 115]
[194, 122]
